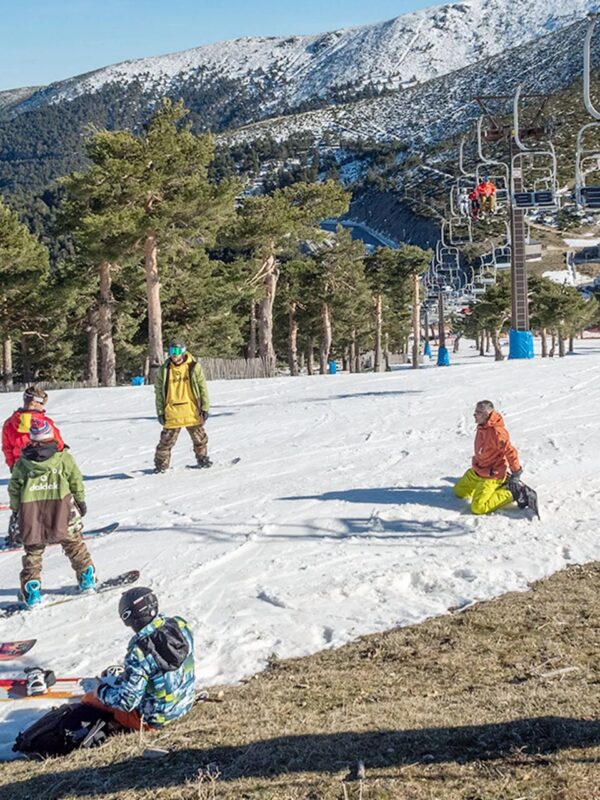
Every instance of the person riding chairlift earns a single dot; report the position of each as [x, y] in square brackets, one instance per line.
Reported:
[464, 204]
[487, 194]
[475, 203]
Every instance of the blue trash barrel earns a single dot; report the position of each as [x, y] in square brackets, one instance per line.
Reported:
[332, 367]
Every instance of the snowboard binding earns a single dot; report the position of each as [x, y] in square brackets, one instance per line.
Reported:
[39, 680]
[111, 674]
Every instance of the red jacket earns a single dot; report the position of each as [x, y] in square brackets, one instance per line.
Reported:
[493, 450]
[15, 433]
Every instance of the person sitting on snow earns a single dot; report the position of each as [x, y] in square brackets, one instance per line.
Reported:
[156, 684]
[47, 496]
[486, 482]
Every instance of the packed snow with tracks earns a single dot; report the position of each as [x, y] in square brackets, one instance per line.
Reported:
[339, 519]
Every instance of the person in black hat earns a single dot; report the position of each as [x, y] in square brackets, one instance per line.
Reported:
[156, 684]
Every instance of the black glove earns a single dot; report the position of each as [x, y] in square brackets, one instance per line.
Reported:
[161, 419]
[204, 415]
[82, 507]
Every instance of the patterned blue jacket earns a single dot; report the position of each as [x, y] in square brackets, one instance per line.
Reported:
[158, 681]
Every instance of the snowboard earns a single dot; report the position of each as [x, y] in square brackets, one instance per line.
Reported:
[216, 467]
[92, 533]
[63, 689]
[4, 507]
[72, 594]
[9, 650]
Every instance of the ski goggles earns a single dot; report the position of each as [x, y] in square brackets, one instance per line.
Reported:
[176, 350]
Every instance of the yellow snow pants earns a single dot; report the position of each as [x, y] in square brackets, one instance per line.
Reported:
[487, 494]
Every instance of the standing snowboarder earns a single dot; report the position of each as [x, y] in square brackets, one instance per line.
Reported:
[15, 436]
[486, 482]
[46, 493]
[15, 431]
[181, 402]
[156, 685]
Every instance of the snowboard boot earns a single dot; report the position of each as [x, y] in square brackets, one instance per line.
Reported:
[31, 594]
[160, 470]
[87, 580]
[517, 489]
[203, 462]
[523, 495]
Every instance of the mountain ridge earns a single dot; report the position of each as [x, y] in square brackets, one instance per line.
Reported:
[410, 48]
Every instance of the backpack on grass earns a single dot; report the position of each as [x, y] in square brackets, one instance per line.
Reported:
[64, 729]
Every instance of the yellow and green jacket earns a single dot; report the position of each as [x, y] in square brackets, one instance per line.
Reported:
[159, 678]
[41, 486]
[181, 393]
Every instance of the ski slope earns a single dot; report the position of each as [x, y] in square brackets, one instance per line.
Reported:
[338, 521]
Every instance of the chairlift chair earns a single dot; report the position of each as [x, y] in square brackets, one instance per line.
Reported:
[460, 230]
[533, 166]
[464, 183]
[587, 162]
[498, 173]
[538, 169]
[587, 158]
[502, 258]
[488, 278]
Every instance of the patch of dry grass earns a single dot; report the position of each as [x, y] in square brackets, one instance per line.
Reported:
[499, 702]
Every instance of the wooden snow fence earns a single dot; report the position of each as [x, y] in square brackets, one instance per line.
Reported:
[214, 369]
[230, 368]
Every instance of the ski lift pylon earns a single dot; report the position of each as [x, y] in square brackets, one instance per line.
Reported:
[587, 160]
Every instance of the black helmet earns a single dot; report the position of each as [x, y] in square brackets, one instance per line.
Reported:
[138, 607]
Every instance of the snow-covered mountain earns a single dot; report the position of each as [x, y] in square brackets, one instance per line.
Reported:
[290, 71]
[427, 113]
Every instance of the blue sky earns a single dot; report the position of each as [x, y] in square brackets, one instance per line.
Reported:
[46, 40]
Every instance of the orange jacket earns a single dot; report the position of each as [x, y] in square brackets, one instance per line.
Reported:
[15, 433]
[486, 188]
[493, 450]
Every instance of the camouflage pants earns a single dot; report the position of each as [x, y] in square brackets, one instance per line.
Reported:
[168, 437]
[73, 547]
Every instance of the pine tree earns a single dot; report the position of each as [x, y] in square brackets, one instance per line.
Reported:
[342, 292]
[389, 276]
[23, 282]
[151, 194]
[269, 224]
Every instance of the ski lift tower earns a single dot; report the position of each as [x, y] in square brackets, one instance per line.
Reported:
[443, 357]
[521, 198]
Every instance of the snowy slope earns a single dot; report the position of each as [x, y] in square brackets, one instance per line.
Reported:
[444, 106]
[387, 55]
[339, 520]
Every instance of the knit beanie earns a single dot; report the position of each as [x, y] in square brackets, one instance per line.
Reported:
[40, 430]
